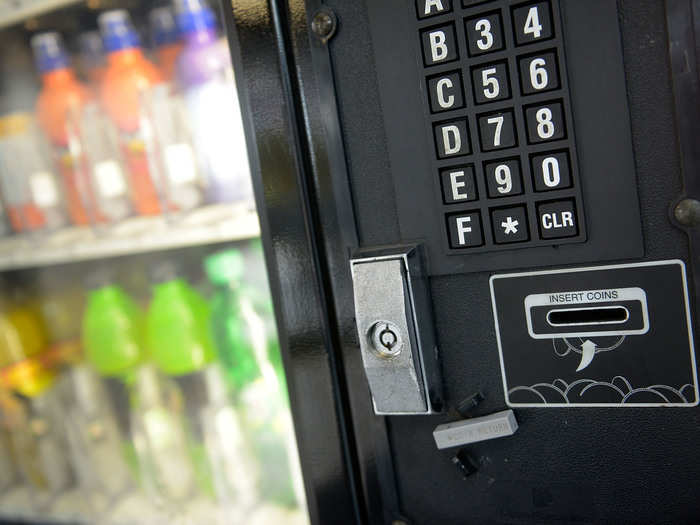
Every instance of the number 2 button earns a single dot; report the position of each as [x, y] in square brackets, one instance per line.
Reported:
[533, 22]
[484, 34]
[545, 123]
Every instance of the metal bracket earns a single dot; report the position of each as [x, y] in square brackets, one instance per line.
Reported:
[396, 331]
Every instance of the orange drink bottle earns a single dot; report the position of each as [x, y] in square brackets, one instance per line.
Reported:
[129, 77]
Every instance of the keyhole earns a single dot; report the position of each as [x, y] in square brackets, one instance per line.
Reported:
[388, 338]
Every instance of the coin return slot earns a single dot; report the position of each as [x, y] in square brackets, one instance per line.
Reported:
[588, 316]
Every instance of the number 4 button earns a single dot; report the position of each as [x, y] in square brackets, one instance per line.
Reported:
[533, 22]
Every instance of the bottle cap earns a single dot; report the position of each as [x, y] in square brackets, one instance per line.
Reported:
[164, 30]
[49, 52]
[163, 271]
[224, 267]
[117, 31]
[194, 15]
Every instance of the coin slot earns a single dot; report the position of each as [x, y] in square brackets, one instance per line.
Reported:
[588, 316]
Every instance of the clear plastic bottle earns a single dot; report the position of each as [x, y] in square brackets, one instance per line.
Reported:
[32, 194]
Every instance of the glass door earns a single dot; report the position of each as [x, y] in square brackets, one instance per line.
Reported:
[141, 377]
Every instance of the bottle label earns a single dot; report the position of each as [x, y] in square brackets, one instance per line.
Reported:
[180, 163]
[43, 189]
[110, 179]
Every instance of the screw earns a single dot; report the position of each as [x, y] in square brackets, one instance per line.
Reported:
[323, 25]
[386, 339]
[687, 212]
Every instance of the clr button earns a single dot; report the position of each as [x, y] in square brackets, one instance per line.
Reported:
[557, 219]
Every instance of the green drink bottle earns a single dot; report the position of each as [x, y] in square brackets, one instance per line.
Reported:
[244, 344]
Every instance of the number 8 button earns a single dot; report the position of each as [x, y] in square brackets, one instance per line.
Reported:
[545, 122]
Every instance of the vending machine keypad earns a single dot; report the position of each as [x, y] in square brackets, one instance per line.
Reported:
[499, 109]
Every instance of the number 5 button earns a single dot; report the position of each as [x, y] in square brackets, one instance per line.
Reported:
[539, 73]
[484, 34]
[490, 83]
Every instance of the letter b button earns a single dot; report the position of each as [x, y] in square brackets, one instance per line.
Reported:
[452, 139]
[439, 45]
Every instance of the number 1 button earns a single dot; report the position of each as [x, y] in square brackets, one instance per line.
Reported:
[533, 22]
[484, 34]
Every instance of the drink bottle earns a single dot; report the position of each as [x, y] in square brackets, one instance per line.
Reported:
[205, 76]
[59, 108]
[244, 345]
[165, 38]
[126, 83]
[32, 195]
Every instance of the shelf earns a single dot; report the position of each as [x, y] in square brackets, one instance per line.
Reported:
[14, 11]
[207, 225]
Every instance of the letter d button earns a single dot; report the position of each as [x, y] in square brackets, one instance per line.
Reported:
[452, 139]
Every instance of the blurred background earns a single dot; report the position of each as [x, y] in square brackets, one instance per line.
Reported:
[140, 371]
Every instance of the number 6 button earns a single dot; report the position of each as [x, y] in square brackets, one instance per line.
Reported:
[484, 34]
[539, 73]
[545, 122]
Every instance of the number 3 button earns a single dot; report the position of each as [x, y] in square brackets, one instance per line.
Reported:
[484, 34]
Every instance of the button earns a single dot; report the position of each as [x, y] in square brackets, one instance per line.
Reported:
[509, 225]
[491, 83]
[446, 92]
[458, 184]
[503, 178]
[475, 429]
[545, 122]
[497, 130]
[465, 230]
[428, 8]
[539, 73]
[550, 171]
[532, 23]
[452, 139]
[557, 219]
[439, 45]
[484, 34]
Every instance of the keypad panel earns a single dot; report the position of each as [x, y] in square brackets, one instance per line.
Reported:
[499, 114]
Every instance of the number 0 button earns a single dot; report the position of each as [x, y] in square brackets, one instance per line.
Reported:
[545, 122]
[484, 34]
[551, 171]
[532, 23]
[539, 73]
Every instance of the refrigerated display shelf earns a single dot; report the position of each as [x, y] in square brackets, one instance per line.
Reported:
[208, 225]
[14, 11]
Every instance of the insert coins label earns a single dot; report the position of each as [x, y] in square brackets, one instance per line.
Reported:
[596, 336]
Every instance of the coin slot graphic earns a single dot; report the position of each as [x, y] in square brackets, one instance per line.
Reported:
[588, 316]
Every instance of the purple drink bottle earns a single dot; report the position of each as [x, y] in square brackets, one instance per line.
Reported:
[205, 75]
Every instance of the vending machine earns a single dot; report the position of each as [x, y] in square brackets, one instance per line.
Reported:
[395, 262]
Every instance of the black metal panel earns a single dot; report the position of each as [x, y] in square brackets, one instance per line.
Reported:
[566, 465]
